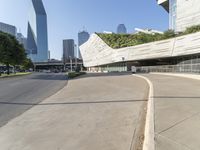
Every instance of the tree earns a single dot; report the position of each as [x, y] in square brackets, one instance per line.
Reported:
[169, 34]
[6, 50]
[19, 55]
[27, 64]
[11, 52]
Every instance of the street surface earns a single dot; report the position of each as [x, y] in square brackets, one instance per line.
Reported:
[177, 112]
[18, 94]
[93, 112]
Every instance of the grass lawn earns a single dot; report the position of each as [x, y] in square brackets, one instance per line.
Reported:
[15, 75]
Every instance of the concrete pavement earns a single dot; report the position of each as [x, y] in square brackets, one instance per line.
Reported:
[177, 112]
[94, 112]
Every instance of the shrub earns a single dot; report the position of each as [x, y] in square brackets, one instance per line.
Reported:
[126, 40]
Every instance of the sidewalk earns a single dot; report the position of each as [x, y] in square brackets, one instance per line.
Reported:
[176, 111]
[90, 113]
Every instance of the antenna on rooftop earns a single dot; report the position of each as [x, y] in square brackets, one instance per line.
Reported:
[84, 28]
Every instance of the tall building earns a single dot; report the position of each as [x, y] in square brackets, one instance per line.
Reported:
[68, 49]
[37, 38]
[22, 40]
[75, 51]
[182, 13]
[121, 29]
[10, 29]
[83, 37]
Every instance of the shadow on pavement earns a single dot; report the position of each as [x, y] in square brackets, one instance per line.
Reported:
[49, 77]
[90, 75]
[74, 103]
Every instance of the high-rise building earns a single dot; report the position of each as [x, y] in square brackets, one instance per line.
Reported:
[37, 38]
[182, 13]
[83, 37]
[75, 51]
[22, 40]
[68, 49]
[121, 29]
[10, 29]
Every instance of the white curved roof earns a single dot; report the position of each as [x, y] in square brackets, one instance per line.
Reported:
[96, 52]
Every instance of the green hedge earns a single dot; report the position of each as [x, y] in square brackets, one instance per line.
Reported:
[72, 75]
[126, 40]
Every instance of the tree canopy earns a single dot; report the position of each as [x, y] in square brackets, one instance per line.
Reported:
[11, 51]
[125, 40]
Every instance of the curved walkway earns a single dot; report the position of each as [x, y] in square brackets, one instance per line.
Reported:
[94, 112]
[177, 112]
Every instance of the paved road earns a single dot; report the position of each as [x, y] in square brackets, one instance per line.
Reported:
[177, 112]
[94, 112]
[19, 94]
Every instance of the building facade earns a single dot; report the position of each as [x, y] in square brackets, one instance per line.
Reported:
[121, 29]
[83, 37]
[182, 13]
[10, 29]
[22, 40]
[37, 36]
[68, 49]
[176, 51]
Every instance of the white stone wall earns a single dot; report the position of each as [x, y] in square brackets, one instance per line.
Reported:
[188, 14]
[96, 52]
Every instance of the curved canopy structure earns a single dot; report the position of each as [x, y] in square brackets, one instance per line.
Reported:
[96, 52]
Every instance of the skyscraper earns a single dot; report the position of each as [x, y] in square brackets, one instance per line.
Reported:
[37, 38]
[22, 40]
[121, 29]
[182, 13]
[10, 29]
[68, 49]
[83, 36]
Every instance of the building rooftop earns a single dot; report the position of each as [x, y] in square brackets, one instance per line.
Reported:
[39, 7]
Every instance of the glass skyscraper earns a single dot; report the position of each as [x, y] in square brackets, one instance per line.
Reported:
[37, 38]
[172, 14]
[83, 37]
[121, 29]
[68, 49]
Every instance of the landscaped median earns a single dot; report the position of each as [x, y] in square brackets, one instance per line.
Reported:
[72, 75]
[15, 75]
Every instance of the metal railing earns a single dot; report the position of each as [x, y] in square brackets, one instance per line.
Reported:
[189, 68]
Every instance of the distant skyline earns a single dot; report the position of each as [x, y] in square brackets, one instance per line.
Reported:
[67, 17]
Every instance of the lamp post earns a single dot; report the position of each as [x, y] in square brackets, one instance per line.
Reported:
[70, 62]
[123, 59]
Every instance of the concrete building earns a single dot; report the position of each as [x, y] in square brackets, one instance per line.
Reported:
[37, 38]
[182, 13]
[83, 37]
[10, 29]
[121, 29]
[68, 49]
[179, 54]
[183, 52]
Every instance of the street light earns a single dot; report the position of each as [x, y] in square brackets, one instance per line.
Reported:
[70, 62]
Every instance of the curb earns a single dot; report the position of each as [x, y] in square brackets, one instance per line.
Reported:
[149, 142]
[190, 76]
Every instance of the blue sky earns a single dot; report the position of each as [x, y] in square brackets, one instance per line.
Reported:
[67, 17]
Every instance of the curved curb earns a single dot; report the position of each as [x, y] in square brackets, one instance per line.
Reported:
[149, 142]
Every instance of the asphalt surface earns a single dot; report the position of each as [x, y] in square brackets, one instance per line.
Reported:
[93, 112]
[18, 94]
